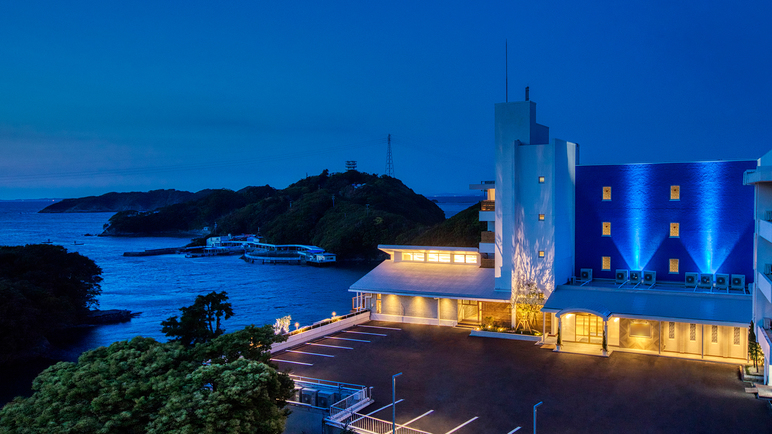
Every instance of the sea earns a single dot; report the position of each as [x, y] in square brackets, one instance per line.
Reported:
[156, 287]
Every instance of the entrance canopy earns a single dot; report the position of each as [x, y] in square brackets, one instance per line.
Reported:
[718, 309]
[431, 280]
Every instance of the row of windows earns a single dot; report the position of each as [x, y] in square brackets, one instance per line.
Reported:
[675, 192]
[439, 257]
[713, 333]
[606, 264]
[675, 229]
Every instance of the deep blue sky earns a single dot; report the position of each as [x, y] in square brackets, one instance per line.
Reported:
[121, 96]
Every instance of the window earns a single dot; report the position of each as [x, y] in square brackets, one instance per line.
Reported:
[671, 330]
[674, 265]
[407, 256]
[736, 336]
[541, 180]
[606, 193]
[471, 259]
[433, 257]
[418, 257]
[640, 329]
[675, 230]
[606, 229]
[714, 334]
[444, 257]
[605, 262]
[692, 332]
[541, 217]
[459, 259]
[541, 253]
[675, 192]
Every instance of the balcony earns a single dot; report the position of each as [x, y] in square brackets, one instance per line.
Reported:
[764, 285]
[487, 237]
[765, 230]
[487, 263]
[488, 205]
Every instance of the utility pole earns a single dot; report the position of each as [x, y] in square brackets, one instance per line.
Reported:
[389, 160]
[393, 403]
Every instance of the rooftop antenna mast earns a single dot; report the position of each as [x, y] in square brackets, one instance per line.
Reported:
[389, 160]
[506, 72]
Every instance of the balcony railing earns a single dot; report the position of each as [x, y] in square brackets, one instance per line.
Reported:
[488, 205]
[488, 237]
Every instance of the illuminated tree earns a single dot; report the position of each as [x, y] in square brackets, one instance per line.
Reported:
[754, 349]
[527, 299]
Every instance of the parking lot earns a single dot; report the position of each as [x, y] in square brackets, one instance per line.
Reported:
[452, 382]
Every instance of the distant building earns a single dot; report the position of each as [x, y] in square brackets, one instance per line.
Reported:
[655, 258]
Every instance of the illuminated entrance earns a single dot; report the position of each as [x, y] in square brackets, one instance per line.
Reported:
[589, 329]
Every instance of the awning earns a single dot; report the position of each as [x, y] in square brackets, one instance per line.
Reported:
[718, 309]
[431, 280]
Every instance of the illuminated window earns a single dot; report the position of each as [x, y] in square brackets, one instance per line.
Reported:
[541, 180]
[471, 259]
[407, 256]
[606, 229]
[606, 193]
[675, 192]
[671, 330]
[692, 332]
[736, 336]
[640, 329]
[444, 257]
[674, 230]
[606, 262]
[432, 257]
[674, 265]
[459, 259]
[714, 334]
[541, 253]
[541, 217]
[418, 257]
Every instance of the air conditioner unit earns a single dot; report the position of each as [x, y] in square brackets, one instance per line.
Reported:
[635, 277]
[737, 282]
[325, 399]
[722, 281]
[585, 274]
[622, 276]
[691, 279]
[706, 281]
[309, 396]
[649, 277]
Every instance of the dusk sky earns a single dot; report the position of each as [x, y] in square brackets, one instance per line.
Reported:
[126, 96]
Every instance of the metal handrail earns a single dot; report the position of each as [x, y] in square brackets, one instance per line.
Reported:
[362, 423]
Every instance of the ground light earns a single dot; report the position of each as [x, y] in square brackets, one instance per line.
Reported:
[393, 403]
[534, 415]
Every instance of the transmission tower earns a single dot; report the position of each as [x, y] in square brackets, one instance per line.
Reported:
[389, 160]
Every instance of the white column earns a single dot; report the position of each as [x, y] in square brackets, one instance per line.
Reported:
[560, 333]
[702, 342]
[439, 321]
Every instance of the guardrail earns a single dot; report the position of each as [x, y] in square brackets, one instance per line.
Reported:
[321, 328]
[347, 406]
[370, 425]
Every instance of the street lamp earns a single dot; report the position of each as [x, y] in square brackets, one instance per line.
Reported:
[393, 403]
[534, 415]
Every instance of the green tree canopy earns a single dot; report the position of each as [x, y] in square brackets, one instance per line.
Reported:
[143, 386]
[200, 322]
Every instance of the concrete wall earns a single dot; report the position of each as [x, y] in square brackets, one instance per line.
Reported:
[714, 213]
[566, 155]
[638, 343]
[416, 310]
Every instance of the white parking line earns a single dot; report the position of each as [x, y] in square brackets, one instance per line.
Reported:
[415, 419]
[312, 354]
[383, 408]
[459, 427]
[516, 429]
[380, 327]
[329, 346]
[365, 333]
[345, 339]
[290, 361]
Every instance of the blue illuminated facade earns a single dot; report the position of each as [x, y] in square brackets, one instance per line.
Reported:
[714, 213]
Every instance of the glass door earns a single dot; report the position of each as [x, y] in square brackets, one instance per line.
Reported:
[589, 329]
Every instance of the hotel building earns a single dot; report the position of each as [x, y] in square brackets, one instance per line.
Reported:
[650, 258]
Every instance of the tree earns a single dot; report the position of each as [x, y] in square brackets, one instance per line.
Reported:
[754, 349]
[200, 322]
[143, 386]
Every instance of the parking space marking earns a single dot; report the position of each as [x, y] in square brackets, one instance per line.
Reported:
[384, 407]
[465, 423]
[311, 354]
[290, 361]
[415, 419]
[516, 429]
[365, 333]
[329, 346]
[345, 339]
[380, 327]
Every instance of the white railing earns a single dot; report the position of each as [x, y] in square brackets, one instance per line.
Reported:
[370, 425]
[348, 405]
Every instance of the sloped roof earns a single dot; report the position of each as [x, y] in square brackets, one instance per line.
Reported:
[431, 280]
[720, 309]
